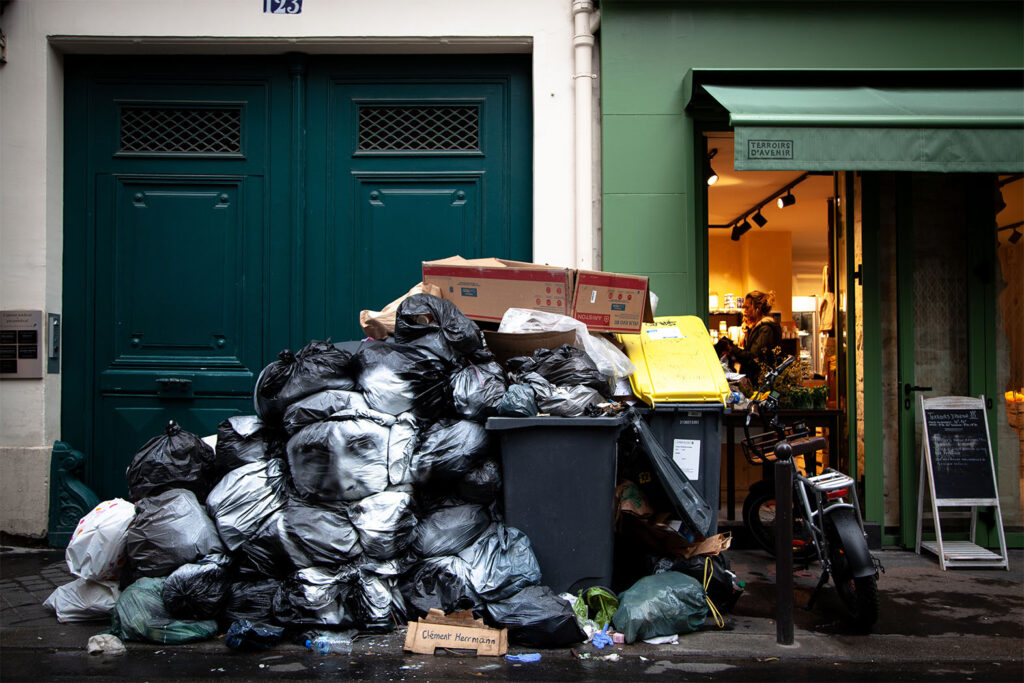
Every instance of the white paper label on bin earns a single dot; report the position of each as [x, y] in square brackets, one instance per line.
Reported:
[686, 454]
[664, 333]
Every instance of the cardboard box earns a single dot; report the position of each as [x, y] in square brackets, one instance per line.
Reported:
[505, 345]
[484, 289]
[608, 302]
[458, 631]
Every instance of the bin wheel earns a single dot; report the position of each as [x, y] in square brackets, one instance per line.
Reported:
[759, 518]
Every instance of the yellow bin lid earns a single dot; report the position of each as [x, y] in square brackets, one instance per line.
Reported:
[676, 362]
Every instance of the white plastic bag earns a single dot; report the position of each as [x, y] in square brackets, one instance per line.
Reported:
[83, 600]
[610, 361]
[97, 548]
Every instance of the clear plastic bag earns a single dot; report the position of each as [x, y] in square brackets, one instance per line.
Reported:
[610, 361]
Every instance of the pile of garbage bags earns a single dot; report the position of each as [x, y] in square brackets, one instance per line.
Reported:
[362, 493]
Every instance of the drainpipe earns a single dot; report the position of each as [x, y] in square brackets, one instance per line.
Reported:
[585, 21]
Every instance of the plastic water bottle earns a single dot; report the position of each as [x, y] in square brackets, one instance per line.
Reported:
[330, 643]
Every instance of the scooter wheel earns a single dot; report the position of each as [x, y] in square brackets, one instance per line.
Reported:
[859, 594]
[759, 518]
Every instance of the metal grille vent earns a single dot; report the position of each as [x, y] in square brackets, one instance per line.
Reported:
[419, 128]
[180, 130]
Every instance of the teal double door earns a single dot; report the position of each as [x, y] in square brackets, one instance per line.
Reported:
[220, 210]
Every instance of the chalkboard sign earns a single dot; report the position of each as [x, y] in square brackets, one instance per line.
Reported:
[960, 455]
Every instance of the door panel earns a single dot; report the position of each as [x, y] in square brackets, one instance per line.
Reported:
[224, 210]
[422, 216]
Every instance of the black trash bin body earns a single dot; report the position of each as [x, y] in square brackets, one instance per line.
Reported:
[559, 488]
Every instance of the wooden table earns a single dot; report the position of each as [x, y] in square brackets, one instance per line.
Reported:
[814, 419]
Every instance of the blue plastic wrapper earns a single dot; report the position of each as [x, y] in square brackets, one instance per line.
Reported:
[245, 635]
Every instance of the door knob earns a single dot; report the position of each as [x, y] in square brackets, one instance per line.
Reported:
[908, 389]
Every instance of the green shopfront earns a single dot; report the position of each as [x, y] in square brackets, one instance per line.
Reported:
[911, 114]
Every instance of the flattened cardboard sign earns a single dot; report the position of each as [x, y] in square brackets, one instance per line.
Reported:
[459, 631]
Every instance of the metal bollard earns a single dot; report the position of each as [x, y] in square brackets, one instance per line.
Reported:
[784, 544]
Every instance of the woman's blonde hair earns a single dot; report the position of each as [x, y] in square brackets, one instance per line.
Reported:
[762, 301]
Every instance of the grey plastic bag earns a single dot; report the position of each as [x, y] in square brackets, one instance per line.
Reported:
[501, 563]
[384, 522]
[170, 529]
[324, 534]
[661, 605]
[439, 583]
[320, 406]
[447, 530]
[344, 458]
[245, 499]
[560, 401]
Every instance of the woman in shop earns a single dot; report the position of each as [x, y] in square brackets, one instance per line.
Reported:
[761, 336]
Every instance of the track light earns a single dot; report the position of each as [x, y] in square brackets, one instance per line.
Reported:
[740, 229]
[759, 219]
[1014, 236]
[709, 173]
[786, 200]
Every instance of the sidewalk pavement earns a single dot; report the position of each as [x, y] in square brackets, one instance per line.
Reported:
[963, 624]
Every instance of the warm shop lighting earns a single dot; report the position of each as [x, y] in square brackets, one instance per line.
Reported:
[786, 200]
[709, 172]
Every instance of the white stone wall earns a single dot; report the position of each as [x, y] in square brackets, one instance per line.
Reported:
[31, 140]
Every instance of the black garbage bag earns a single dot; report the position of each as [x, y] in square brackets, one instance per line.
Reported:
[384, 522]
[170, 529]
[564, 366]
[448, 449]
[377, 602]
[724, 587]
[196, 591]
[661, 605]
[251, 600]
[140, 615]
[398, 378]
[560, 401]
[317, 366]
[477, 390]
[344, 458]
[536, 617]
[320, 406]
[518, 401]
[247, 636]
[439, 583]
[438, 326]
[482, 484]
[245, 499]
[271, 551]
[174, 460]
[240, 441]
[323, 534]
[501, 562]
[448, 529]
[316, 596]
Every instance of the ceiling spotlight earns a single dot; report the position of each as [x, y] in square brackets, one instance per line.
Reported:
[787, 200]
[759, 219]
[709, 173]
[1014, 236]
[740, 229]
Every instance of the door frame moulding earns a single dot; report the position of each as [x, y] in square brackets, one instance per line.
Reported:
[267, 45]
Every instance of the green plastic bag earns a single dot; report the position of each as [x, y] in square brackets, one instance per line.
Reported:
[600, 601]
[661, 605]
[140, 615]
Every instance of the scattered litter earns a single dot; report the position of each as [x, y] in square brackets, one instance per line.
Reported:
[105, 643]
[610, 658]
[528, 657]
[768, 659]
[618, 638]
[601, 639]
[664, 640]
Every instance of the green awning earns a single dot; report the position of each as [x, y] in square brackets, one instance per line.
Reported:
[859, 128]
